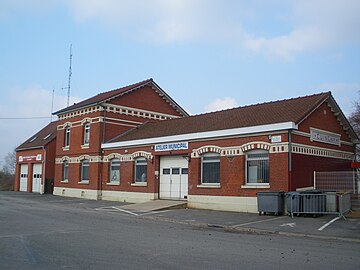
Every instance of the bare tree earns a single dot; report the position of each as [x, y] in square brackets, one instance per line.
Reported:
[354, 120]
[10, 163]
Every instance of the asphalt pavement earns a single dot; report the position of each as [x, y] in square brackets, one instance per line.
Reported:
[51, 232]
[325, 227]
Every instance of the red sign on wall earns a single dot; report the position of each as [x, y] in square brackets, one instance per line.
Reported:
[355, 165]
[30, 158]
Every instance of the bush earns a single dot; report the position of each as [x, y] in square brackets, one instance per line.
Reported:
[6, 181]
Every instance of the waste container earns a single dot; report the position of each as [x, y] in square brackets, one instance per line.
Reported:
[314, 202]
[293, 202]
[270, 202]
[331, 201]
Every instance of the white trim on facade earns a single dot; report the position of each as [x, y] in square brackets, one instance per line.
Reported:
[223, 203]
[137, 112]
[78, 193]
[320, 152]
[131, 197]
[203, 135]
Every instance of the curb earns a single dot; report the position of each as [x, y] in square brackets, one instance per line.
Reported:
[251, 230]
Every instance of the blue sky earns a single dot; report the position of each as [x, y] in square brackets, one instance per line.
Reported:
[206, 54]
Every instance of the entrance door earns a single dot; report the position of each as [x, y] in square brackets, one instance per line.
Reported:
[36, 186]
[173, 178]
[23, 177]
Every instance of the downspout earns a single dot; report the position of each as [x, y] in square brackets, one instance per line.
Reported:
[290, 159]
[44, 170]
[102, 153]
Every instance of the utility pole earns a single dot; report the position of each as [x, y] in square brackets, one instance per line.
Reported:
[69, 81]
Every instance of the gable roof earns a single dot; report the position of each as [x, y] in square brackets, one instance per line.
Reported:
[287, 111]
[41, 138]
[106, 96]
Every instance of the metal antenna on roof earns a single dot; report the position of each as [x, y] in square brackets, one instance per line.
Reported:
[52, 104]
[69, 81]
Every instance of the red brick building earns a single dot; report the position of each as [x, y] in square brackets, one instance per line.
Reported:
[221, 160]
[35, 162]
[83, 127]
[136, 144]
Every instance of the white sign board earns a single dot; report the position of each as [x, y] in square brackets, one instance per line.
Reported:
[324, 136]
[276, 139]
[171, 146]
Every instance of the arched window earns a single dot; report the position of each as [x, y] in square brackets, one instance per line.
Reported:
[257, 167]
[85, 170]
[210, 168]
[140, 170]
[66, 171]
[114, 176]
[87, 134]
[67, 137]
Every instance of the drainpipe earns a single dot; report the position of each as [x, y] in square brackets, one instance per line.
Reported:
[44, 170]
[102, 153]
[290, 159]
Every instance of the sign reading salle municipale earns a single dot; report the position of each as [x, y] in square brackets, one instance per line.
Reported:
[324, 136]
[171, 146]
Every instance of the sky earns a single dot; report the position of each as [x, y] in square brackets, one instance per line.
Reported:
[207, 55]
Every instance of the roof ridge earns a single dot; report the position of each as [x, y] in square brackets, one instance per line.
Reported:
[251, 105]
[264, 103]
[127, 86]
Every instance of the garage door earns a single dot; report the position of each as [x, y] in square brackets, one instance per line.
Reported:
[173, 178]
[36, 181]
[23, 177]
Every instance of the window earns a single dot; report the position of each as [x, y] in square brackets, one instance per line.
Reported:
[87, 134]
[85, 170]
[257, 167]
[67, 137]
[140, 170]
[33, 139]
[114, 171]
[166, 171]
[210, 169]
[66, 171]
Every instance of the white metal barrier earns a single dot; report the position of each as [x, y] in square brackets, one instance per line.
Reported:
[318, 204]
[337, 181]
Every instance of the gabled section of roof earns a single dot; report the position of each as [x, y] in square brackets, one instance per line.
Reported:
[41, 138]
[269, 114]
[109, 95]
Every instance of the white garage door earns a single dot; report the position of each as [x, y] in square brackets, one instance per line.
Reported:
[36, 182]
[23, 177]
[173, 178]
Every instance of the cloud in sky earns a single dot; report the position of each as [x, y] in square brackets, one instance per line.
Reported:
[22, 102]
[221, 104]
[313, 24]
[310, 25]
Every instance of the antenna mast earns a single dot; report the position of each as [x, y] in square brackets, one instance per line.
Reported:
[52, 104]
[69, 81]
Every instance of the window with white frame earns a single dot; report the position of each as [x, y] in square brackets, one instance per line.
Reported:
[210, 169]
[140, 170]
[87, 134]
[85, 170]
[114, 171]
[67, 137]
[257, 167]
[66, 171]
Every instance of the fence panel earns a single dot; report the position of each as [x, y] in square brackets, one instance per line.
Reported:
[337, 181]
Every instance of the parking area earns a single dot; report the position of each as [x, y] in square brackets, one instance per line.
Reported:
[326, 226]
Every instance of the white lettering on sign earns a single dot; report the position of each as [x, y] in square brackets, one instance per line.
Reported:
[324, 136]
[171, 146]
[275, 139]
